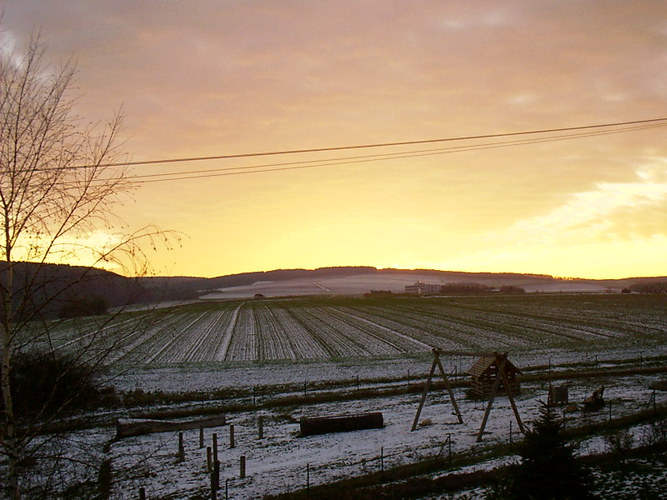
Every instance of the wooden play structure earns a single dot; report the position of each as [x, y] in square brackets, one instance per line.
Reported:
[485, 372]
[492, 370]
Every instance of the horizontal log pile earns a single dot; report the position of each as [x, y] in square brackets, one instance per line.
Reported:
[126, 427]
[340, 423]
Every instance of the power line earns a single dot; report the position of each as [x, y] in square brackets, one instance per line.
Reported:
[379, 145]
[297, 165]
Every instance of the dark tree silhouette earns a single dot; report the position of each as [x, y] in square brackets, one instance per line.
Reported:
[548, 469]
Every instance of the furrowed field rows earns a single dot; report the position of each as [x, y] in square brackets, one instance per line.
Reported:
[243, 344]
[495, 327]
[605, 315]
[402, 343]
[372, 344]
[555, 324]
[462, 333]
[304, 345]
[401, 328]
[273, 341]
[316, 328]
[336, 343]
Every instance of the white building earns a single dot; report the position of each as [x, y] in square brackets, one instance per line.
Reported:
[421, 288]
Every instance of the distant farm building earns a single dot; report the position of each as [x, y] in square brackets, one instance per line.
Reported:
[421, 288]
[485, 372]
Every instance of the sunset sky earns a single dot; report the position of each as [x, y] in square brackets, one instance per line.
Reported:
[211, 78]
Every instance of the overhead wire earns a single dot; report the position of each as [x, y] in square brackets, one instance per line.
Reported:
[376, 145]
[574, 133]
[346, 160]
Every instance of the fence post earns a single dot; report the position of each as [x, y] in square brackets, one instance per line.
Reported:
[142, 494]
[201, 437]
[304, 387]
[231, 435]
[181, 448]
[449, 448]
[216, 474]
[242, 466]
[260, 425]
[382, 463]
[308, 479]
[209, 461]
[226, 489]
[214, 486]
[254, 395]
[215, 447]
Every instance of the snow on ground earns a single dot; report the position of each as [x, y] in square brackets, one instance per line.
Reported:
[363, 283]
[279, 462]
[212, 376]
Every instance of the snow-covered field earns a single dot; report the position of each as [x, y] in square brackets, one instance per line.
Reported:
[395, 282]
[248, 344]
[343, 328]
[282, 461]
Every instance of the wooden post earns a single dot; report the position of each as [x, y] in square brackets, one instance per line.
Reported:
[449, 448]
[494, 391]
[308, 479]
[226, 489]
[216, 473]
[214, 486]
[201, 438]
[215, 447]
[436, 362]
[260, 425]
[242, 474]
[142, 494]
[304, 387]
[508, 391]
[231, 435]
[209, 460]
[427, 385]
[181, 448]
[357, 382]
[449, 387]
[382, 463]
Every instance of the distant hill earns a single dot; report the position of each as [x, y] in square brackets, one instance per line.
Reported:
[52, 285]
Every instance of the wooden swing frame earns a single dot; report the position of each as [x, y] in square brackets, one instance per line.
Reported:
[500, 360]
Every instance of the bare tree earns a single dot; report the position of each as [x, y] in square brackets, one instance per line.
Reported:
[58, 183]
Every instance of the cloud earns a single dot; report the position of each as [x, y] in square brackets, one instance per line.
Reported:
[589, 215]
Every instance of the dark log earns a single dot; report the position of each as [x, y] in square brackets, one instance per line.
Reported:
[340, 423]
[126, 427]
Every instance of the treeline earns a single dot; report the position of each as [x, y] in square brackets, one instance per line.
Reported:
[475, 288]
[56, 290]
[649, 287]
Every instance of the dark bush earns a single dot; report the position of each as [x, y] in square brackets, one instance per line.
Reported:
[89, 305]
[47, 384]
[512, 289]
